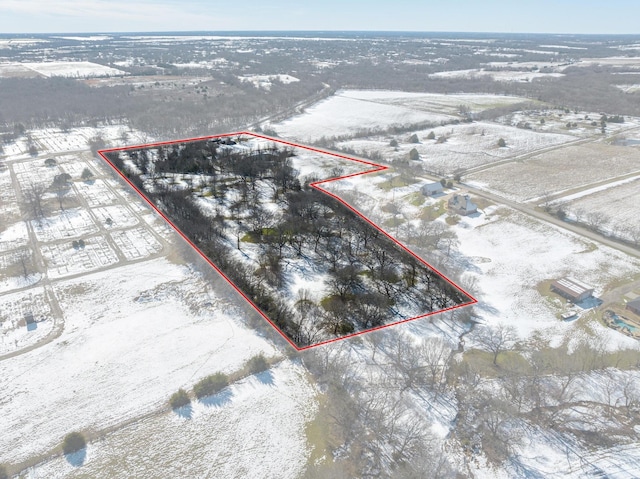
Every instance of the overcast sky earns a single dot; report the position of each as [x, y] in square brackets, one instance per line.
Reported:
[512, 16]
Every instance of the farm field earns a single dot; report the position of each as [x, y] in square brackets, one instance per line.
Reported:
[75, 69]
[434, 102]
[227, 444]
[122, 357]
[342, 115]
[616, 204]
[502, 76]
[557, 171]
[466, 145]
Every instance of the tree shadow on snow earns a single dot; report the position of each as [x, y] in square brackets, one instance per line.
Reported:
[185, 412]
[218, 400]
[76, 459]
[265, 377]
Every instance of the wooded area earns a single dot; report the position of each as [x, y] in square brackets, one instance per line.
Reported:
[230, 200]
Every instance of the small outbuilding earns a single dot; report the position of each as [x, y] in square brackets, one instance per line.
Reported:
[572, 289]
[634, 306]
[431, 189]
[462, 205]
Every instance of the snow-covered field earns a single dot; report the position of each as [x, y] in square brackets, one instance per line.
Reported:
[265, 81]
[434, 102]
[618, 203]
[558, 170]
[127, 345]
[502, 76]
[467, 145]
[214, 434]
[511, 254]
[11, 70]
[343, 115]
[74, 69]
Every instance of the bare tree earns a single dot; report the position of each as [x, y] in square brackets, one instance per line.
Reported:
[496, 339]
[596, 220]
[33, 199]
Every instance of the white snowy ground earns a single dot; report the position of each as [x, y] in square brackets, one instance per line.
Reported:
[510, 254]
[72, 69]
[132, 336]
[265, 81]
[214, 438]
[342, 115]
[16, 308]
[616, 201]
[467, 145]
[557, 170]
[434, 102]
[503, 76]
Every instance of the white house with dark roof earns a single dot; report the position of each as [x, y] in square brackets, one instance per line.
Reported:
[462, 205]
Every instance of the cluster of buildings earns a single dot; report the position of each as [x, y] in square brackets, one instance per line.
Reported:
[457, 204]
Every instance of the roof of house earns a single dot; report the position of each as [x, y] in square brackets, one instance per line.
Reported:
[433, 186]
[572, 286]
[635, 304]
[463, 202]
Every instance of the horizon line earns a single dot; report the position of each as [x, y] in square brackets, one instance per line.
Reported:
[318, 31]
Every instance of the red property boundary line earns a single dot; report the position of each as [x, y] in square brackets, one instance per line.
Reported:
[375, 168]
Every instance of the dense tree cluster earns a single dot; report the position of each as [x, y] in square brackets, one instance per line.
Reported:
[370, 280]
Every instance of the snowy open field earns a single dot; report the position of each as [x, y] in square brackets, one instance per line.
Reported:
[502, 76]
[558, 170]
[74, 69]
[618, 203]
[127, 345]
[216, 436]
[434, 102]
[342, 115]
[510, 254]
[467, 145]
